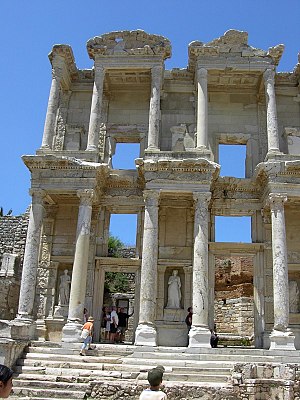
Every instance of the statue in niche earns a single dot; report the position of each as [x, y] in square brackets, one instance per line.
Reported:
[64, 289]
[174, 290]
[294, 297]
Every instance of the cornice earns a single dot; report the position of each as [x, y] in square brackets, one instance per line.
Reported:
[64, 51]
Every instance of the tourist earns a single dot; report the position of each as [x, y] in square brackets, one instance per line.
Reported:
[87, 335]
[123, 323]
[106, 318]
[214, 338]
[5, 381]
[155, 376]
[114, 321]
[188, 319]
[85, 315]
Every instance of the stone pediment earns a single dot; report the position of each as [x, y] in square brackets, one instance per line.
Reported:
[129, 43]
[232, 43]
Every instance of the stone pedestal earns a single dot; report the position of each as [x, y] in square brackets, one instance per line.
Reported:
[71, 332]
[199, 337]
[145, 335]
[282, 340]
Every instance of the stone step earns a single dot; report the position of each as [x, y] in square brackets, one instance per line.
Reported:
[47, 384]
[43, 393]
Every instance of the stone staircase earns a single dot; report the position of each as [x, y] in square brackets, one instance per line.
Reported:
[48, 370]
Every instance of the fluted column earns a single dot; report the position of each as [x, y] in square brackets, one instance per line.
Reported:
[199, 334]
[146, 331]
[31, 257]
[53, 102]
[281, 337]
[96, 107]
[71, 331]
[154, 111]
[202, 113]
[272, 126]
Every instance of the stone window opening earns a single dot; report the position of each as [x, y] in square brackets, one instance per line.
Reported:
[124, 155]
[234, 155]
[236, 229]
[123, 230]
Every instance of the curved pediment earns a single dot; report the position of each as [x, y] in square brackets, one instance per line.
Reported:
[136, 42]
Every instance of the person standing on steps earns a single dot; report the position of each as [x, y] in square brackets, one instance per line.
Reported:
[6, 384]
[188, 319]
[87, 335]
[114, 321]
[123, 324]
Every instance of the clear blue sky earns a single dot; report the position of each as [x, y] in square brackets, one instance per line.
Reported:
[30, 28]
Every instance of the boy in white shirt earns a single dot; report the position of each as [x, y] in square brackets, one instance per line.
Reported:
[155, 379]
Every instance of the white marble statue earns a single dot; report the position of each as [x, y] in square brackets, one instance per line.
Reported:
[64, 289]
[294, 297]
[174, 290]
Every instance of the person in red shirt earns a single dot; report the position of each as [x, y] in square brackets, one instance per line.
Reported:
[87, 335]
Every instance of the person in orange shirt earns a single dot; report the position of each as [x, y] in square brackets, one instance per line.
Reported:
[87, 335]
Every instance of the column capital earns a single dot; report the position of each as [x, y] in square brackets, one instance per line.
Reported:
[86, 196]
[275, 200]
[37, 194]
[269, 75]
[201, 73]
[201, 197]
[151, 197]
[156, 75]
[99, 68]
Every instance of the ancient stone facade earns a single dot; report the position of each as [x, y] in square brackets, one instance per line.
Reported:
[230, 93]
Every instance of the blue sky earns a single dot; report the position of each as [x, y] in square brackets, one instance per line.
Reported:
[30, 28]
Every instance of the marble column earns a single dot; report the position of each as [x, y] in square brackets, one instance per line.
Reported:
[31, 257]
[281, 337]
[96, 107]
[199, 335]
[202, 113]
[53, 102]
[72, 330]
[146, 331]
[272, 126]
[154, 110]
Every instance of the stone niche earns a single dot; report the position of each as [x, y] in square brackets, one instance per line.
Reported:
[292, 135]
[294, 297]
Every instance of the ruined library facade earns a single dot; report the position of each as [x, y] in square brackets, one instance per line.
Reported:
[229, 94]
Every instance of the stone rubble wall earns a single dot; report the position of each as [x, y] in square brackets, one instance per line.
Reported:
[235, 316]
[13, 231]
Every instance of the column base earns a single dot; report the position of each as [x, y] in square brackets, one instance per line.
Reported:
[199, 337]
[273, 154]
[282, 340]
[71, 332]
[145, 335]
[23, 329]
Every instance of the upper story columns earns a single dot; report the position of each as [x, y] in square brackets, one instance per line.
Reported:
[96, 107]
[63, 65]
[154, 110]
[272, 126]
[202, 108]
